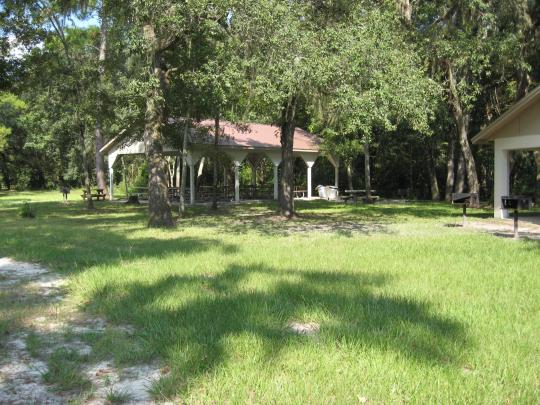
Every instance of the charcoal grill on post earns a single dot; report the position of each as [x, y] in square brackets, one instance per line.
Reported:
[464, 199]
[516, 203]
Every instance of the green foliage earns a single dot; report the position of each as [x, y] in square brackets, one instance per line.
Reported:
[117, 396]
[27, 210]
[64, 371]
[10, 108]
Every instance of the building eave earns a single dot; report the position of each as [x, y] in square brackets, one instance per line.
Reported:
[489, 132]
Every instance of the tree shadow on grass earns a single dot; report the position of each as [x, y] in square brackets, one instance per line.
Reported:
[72, 240]
[321, 216]
[193, 334]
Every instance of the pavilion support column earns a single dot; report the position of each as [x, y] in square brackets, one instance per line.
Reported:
[275, 157]
[502, 180]
[237, 156]
[309, 159]
[192, 183]
[276, 182]
[309, 183]
[237, 180]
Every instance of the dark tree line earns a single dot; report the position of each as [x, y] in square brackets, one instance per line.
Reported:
[396, 88]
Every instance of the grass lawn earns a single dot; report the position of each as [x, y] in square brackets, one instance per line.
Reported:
[410, 309]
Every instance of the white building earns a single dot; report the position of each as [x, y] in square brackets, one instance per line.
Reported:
[517, 129]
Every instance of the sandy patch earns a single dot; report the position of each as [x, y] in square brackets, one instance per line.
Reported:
[309, 328]
[528, 227]
[21, 374]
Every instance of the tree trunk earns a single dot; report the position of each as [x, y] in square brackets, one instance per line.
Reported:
[176, 170]
[124, 173]
[432, 172]
[461, 174]
[350, 173]
[523, 84]
[462, 122]
[450, 167]
[288, 125]
[367, 168]
[470, 164]
[159, 208]
[405, 9]
[88, 202]
[101, 180]
[183, 177]
[216, 150]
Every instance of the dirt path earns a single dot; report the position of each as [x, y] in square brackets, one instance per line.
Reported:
[48, 325]
[529, 227]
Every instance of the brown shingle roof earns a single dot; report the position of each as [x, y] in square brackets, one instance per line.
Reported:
[253, 135]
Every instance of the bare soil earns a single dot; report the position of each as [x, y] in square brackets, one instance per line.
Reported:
[21, 372]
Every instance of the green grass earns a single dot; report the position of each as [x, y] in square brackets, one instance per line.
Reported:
[410, 309]
[117, 397]
[64, 371]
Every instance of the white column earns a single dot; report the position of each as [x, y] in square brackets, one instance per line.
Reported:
[502, 176]
[192, 183]
[111, 183]
[237, 180]
[276, 183]
[309, 185]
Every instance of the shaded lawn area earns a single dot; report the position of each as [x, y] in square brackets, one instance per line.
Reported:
[409, 309]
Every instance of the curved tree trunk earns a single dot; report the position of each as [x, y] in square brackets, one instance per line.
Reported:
[462, 120]
[450, 174]
[461, 174]
[287, 166]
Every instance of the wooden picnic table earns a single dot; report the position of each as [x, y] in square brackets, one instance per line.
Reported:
[354, 194]
[99, 194]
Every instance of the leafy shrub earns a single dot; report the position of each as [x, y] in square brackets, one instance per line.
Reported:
[27, 211]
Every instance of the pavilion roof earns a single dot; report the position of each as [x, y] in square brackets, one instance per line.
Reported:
[243, 136]
[490, 132]
[256, 136]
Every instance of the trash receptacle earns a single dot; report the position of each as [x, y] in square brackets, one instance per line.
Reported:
[332, 193]
[321, 190]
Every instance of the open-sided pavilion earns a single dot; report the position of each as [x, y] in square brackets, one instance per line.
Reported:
[517, 129]
[239, 142]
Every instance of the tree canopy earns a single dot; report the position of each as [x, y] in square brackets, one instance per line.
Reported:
[389, 85]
